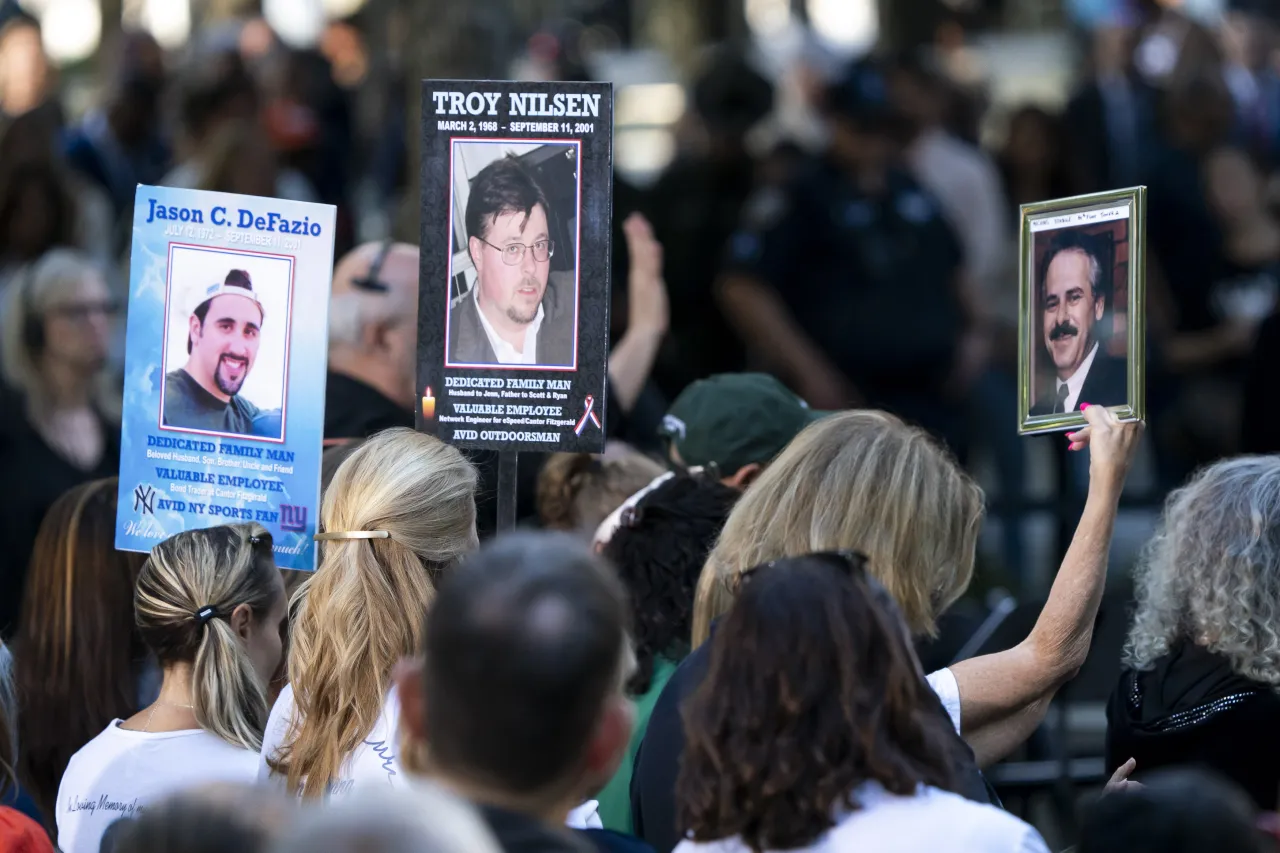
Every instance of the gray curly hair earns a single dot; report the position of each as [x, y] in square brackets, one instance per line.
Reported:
[1211, 574]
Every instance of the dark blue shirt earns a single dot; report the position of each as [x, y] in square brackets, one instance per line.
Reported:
[872, 279]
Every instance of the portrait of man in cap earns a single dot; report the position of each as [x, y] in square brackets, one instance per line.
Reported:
[223, 337]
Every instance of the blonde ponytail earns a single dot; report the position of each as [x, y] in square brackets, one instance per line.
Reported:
[186, 593]
[363, 609]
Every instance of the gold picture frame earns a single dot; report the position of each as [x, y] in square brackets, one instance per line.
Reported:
[1067, 344]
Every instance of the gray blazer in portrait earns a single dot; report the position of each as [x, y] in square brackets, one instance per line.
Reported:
[468, 344]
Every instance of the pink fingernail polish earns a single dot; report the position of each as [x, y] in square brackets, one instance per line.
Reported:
[1084, 406]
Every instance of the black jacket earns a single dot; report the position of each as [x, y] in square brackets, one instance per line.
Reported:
[518, 833]
[1190, 708]
[353, 409]
[468, 343]
[657, 763]
[1107, 384]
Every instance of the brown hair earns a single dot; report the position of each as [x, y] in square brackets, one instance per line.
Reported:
[577, 491]
[78, 607]
[812, 691]
[862, 481]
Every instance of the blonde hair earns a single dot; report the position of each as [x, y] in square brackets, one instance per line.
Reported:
[362, 610]
[219, 567]
[862, 481]
[37, 287]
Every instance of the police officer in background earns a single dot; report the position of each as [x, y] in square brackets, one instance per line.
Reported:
[849, 281]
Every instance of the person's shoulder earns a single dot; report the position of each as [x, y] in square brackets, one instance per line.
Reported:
[276, 731]
[208, 747]
[560, 299]
[247, 408]
[101, 747]
[94, 746]
[463, 308]
[978, 826]
[1113, 374]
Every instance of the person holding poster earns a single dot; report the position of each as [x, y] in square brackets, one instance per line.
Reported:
[222, 344]
[1072, 292]
[512, 314]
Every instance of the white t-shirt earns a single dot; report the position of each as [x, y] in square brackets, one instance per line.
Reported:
[375, 761]
[121, 771]
[931, 820]
[944, 685]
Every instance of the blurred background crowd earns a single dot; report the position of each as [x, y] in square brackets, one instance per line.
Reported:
[833, 190]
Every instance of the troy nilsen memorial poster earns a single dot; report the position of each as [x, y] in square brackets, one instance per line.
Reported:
[513, 310]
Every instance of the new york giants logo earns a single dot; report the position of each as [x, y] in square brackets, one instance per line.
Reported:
[293, 518]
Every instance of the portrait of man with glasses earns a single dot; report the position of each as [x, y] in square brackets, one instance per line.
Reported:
[516, 312]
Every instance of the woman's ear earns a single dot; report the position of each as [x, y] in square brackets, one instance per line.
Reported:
[241, 620]
[743, 477]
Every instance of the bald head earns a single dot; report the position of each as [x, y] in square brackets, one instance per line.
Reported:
[399, 270]
[373, 328]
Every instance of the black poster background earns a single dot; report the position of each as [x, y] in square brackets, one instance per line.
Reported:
[463, 406]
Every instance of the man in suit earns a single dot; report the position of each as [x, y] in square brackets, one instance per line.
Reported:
[514, 313]
[1072, 299]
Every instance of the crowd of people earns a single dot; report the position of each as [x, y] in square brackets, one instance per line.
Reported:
[713, 635]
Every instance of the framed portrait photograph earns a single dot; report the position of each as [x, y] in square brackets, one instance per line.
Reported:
[1081, 329]
[513, 260]
[226, 348]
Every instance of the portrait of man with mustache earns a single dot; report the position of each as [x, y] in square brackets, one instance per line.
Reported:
[513, 314]
[1073, 282]
[223, 336]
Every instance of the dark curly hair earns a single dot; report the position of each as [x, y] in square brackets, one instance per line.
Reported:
[659, 551]
[812, 691]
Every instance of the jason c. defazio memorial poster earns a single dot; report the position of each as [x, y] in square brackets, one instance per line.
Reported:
[225, 368]
[513, 310]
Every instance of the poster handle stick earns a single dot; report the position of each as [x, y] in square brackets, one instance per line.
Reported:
[507, 462]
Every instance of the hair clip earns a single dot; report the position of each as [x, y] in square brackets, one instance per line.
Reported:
[204, 614]
[352, 534]
[255, 540]
[631, 516]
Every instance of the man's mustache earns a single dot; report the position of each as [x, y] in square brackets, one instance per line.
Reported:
[1063, 329]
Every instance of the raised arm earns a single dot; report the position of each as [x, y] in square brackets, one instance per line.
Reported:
[647, 317]
[1004, 696]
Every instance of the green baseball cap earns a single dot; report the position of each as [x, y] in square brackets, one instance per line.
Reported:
[734, 420]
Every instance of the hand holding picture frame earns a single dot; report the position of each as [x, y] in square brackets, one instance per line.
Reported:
[1082, 320]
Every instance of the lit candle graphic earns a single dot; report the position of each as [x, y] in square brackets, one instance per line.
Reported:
[428, 404]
